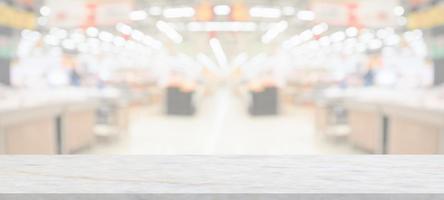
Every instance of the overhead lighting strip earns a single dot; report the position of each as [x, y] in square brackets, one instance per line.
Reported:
[222, 26]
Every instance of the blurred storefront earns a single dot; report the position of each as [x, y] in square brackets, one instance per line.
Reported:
[222, 76]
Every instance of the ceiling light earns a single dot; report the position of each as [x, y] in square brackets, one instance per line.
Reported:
[68, 44]
[222, 10]
[78, 37]
[320, 28]
[106, 36]
[399, 11]
[138, 15]
[59, 33]
[51, 40]
[240, 59]
[265, 12]
[218, 52]
[30, 35]
[374, 44]
[351, 32]
[307, 35]
[382, 33]
[148, 40]
[274, 31]
[45, 11]
[137, 35]
[207, 62]
[366, 36]
[293, 41]
[119, 41]
[169, 31]
[306, 15]
[222, 26]
[92, 32]
[179, 12]
[392, 40]
[123, 28]
[338, 36]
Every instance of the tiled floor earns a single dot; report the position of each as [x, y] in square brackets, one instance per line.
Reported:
[222, 126]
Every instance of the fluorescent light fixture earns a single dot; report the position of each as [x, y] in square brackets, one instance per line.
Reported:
[320, 28]
[149, 41]
[123, 28]
[179, 12]
[324, 41]
[222, 10]
[307, 35]
[274, 31]
[206, 62]
[293, 41]
[169, 31]
[119, 41]
[288, 11]
[366, 36]
[392, 40]
[306, 15]
[218, 52]
[382, 33]
[374, 44]
[30, 35]
[59, 33]
[138, 15]
[77, 37]
[92, 32]
[414, 35]
[222, 26]
[68, 44]
[351, 32]
[399, 11]
[338, 36]
[106, 36]
[265, 12]
[155, 11]
[240, 59]
[137, 35]
[45, 11]
[51, 40]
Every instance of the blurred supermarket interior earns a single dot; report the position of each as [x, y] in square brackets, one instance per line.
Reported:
[266, 77]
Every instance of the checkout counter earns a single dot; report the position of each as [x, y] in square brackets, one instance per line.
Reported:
[182, 96]
[396, 121]
[262, 97]
[53, 122]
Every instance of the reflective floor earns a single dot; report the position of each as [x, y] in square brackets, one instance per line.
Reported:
[222, 126]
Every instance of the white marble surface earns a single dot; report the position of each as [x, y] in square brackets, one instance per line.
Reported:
[221, 174]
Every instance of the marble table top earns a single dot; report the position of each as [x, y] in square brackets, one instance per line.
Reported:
[221, 174]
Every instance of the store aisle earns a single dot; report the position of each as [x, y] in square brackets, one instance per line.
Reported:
[222, 126]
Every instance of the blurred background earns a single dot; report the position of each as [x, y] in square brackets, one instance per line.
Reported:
[221, 77]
